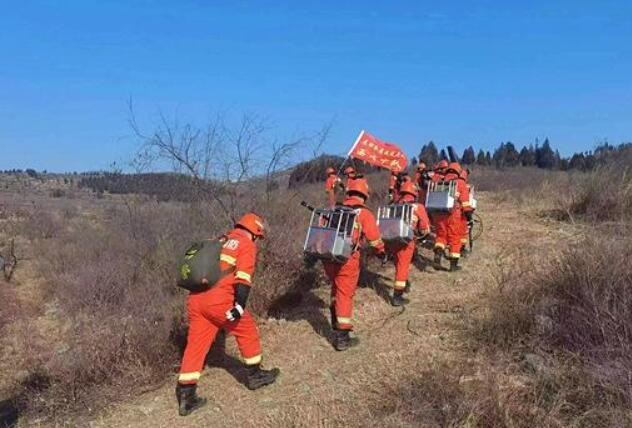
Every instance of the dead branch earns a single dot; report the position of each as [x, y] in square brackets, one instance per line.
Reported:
[9, 261]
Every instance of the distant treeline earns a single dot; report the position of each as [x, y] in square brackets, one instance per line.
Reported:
[541, 156]
[162, 186]
[313, 171]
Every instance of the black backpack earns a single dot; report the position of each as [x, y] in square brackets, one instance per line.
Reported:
[199, 269]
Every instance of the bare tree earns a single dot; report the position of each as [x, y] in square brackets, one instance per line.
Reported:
[224, 160]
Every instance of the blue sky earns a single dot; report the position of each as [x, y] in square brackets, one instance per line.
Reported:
[469, 72]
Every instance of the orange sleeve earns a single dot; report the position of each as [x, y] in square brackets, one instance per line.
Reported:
[423, 223]
[246, 260]
[371, 230]
[464, 194]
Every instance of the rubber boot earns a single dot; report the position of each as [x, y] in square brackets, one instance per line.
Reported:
[188, 400]
[258, 377]
[398, 298]
[436, 264]
[343, 340]
[454, 265]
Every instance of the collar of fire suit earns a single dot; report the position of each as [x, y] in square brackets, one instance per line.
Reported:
[240, 232]
[406, 199]
[354, 201]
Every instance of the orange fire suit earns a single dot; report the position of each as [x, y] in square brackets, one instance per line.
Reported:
[330, 187]
[449, 226]
[464, 228]
[344, 277]
[207, 310]
[404, 253]
[350, 178]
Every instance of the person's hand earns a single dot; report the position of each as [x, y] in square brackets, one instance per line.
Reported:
[235, 313]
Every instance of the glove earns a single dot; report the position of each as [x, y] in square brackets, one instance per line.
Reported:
[235, 313]
[468, 216]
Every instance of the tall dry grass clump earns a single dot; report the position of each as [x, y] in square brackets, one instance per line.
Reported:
[591, 285]
[109, 275]
[603, 195]
[565, 313]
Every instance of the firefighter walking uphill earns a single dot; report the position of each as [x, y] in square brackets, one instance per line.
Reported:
[344, 277]
[404, 253]
[449, 226]
[223, 306]
[352, 175]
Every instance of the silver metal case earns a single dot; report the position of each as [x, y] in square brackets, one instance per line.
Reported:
[440, 196]
[395, 222]
[330, 234]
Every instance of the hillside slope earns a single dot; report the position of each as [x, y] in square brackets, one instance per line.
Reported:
[411, 368]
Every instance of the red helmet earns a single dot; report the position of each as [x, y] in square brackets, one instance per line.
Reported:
[330, 171]
[349, 170]
[456, 167]
[359, 185]
[253, 224]
[443, 164]
[408, 187]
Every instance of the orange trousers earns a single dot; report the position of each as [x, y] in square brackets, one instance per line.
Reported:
[205, 320]
[464, 230]
[449, 230]
[344, 282]
[403, 255]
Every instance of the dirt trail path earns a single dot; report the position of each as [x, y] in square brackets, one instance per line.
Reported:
[321, 387]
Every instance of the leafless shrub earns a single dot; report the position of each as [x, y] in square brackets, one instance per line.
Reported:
[604, 194]
[41, 224]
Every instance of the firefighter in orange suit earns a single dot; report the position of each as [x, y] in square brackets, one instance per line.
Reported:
[403, 254]
[223, 306]
[438, 173]
[422, 177]
[351, 175]
[330, 186]
[464, 217]
[449, 227]
[344, 277]
[440, 169]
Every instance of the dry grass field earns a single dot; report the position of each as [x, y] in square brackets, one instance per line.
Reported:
[534, 331]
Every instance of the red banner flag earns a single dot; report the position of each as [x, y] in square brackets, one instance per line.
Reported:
[378, 153]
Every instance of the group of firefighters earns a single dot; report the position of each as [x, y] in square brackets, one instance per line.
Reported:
[223, 306]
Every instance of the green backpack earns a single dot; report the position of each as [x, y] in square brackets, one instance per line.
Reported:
[199, 268]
